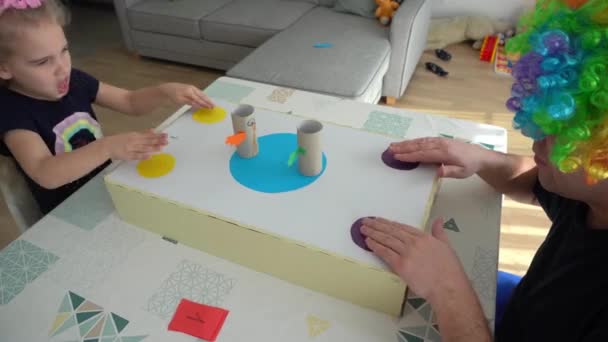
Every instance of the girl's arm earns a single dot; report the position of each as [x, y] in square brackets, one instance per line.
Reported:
[145, 100]
[52, 172]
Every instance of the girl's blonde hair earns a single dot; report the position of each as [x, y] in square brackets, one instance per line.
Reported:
[13, 21]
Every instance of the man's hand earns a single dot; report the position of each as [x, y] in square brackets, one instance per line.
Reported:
[509, 174]
[429, 266]
[457, 158]
[424, 261]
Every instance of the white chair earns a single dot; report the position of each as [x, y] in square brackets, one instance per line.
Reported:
[17, 195]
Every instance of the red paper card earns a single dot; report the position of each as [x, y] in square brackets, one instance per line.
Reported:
[198, 320]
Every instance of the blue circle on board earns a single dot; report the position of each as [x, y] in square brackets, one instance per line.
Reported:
[268, 171]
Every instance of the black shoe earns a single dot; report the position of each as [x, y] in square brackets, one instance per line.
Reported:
[436, 69]
[443, 55]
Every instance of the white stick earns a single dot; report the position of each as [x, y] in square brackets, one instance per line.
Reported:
[243, 120]
[309, 138]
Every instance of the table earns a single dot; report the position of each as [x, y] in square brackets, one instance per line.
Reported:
[83, 274]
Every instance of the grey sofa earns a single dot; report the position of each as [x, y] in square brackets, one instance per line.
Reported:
[275, 42]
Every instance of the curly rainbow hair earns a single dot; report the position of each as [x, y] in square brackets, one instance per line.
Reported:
[561, 82]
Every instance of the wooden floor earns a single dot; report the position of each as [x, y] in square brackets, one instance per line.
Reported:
[472, 91]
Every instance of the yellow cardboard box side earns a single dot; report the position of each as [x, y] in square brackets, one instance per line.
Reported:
[289, 260]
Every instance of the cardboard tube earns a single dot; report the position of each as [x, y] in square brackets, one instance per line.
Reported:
[309, 138]
[243, 120]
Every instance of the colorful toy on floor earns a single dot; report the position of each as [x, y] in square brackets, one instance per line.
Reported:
[502, 64]
[488, 49]
[505, 36]
[451, 30]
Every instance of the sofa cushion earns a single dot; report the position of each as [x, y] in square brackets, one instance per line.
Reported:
[178, 17]
[251, 23]
[364, 8]
[316, 2]
[359, 48]
[327, 3]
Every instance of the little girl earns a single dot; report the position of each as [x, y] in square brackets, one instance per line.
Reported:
[47, 123]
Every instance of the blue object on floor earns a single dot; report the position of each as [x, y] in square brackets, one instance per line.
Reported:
[323, 45]
[505, 284]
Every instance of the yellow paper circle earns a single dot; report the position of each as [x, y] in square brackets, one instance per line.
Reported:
[156, 166]
[209, 116]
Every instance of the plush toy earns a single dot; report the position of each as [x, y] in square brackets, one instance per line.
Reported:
[385, 11]
[450, 30]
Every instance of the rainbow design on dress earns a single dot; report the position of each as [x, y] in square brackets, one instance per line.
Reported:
[561, 82]
[70, 126]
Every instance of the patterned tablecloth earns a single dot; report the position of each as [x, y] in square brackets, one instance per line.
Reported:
[81, 274]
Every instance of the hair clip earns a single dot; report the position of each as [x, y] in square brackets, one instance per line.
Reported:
[19, 4]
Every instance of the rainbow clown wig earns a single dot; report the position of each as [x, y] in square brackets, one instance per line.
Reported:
[561, 82]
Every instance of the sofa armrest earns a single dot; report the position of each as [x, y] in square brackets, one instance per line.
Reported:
[121, 7]
[408, 35]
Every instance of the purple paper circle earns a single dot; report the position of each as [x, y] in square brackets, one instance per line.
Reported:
[389, 159]
[358, 237]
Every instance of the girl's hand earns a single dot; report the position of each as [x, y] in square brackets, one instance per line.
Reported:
[134, 145]
[183, 94]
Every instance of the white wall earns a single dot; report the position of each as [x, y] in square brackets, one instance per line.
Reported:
[504, 9]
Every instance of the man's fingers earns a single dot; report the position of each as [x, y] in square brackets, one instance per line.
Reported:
[385, 239]
[420, 144]
[388, 226]
[388, 255]
[438, 231]
[452, 171]
[424, 156]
